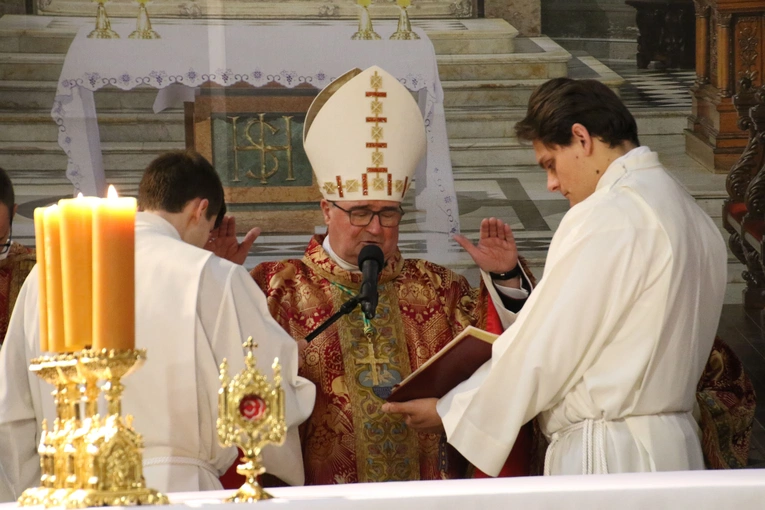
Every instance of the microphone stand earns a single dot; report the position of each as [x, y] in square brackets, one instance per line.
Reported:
[346, 308]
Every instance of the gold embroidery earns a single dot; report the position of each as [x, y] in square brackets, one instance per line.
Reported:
[330, 188]
[351, 185]
[375, 81]
[378, 184]
[386, 449]
[377, 132]
[377, 107]
[399, 186]
[377, 158]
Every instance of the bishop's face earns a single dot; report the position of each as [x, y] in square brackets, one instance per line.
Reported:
[347, 239]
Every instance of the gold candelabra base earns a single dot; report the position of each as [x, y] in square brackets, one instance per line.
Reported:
[87, 460]
[143, 28]
[365, 31]
[103, 25]
[404, 30]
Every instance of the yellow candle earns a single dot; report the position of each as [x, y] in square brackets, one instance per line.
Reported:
[77, 270]
[42, 301]
[54, 296]
[114, 272]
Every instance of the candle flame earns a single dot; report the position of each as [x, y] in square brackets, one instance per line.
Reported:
[79, 195]
[364, 3]
[403, 3]
[112, 192]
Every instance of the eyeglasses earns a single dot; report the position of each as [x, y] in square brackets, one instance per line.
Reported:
[7, 245]
[363, 217]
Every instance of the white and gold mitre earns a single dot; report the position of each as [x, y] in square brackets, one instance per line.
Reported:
[364, 136]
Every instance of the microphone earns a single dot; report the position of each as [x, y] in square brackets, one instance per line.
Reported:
[371, 262]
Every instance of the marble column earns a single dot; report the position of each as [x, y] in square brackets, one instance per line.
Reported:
[525, 15]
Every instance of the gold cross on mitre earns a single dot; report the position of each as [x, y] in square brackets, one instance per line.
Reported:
[373, 362]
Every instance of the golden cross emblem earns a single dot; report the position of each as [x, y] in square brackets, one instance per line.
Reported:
[373, 362]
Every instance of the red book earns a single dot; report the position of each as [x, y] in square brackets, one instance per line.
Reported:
[453, 364]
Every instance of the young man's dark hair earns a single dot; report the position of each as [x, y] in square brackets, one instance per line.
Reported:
[562, 102]
[175, 178]
[7, 195]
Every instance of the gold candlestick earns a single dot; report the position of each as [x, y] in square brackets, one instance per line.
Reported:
[365, 31]
[85, 460]
[143, 28]
[250, 416]
[404, 30]
[103, 25]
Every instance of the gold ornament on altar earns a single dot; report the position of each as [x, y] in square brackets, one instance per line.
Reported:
[365, 31]
[103, 25]
[87, 460]
[143, 28]
[404, 30]
[250, 416]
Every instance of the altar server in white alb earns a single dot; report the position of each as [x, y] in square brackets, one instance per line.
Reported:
[611, 343]
[192, 310]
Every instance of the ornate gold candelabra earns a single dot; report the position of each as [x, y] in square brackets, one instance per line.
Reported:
[365, 31]
[143, 28]
[404, 30]
[86, 460]
[250, 416]
[103, 25]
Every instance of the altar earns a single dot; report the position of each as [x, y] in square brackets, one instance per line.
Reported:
[697, 490]
[261, 54]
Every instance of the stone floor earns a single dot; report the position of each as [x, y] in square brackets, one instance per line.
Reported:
[517, 194]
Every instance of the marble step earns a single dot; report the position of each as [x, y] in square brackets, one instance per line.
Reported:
[113, 127]
[508, 66]
[31, 66]
[499, 122]
[48, 156]
[480, 36]
[490, 152]
[39, 95]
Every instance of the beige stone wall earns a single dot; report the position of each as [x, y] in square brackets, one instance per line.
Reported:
[525, 15]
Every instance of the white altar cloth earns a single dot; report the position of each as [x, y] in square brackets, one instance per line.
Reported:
[290, 53]
[697, 490]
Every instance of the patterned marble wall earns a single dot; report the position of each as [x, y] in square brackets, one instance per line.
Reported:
[525, 15]
[608, 19]
[13, 7]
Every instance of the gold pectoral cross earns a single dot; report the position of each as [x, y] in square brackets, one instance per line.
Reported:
[373, 362]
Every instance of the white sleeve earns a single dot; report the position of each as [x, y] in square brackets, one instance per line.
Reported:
[555, 338]
[19, 397]
[244, 312]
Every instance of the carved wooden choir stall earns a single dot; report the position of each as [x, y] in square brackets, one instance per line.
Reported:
[729, 47]
[744, 210]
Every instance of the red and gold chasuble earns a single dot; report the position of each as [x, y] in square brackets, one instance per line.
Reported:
[356, 363]
[13, 271]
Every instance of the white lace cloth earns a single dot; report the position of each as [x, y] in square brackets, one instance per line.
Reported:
[290, 53]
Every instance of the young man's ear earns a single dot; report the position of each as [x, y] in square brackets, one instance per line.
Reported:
[198, 208]
[204, 204]
[581, 136]
[13, 213]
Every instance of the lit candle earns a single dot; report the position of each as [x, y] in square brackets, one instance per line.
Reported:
[77, 270]
[114, 272]
[364, 3]
[403, 3]
[54, 296]
[42, 301]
